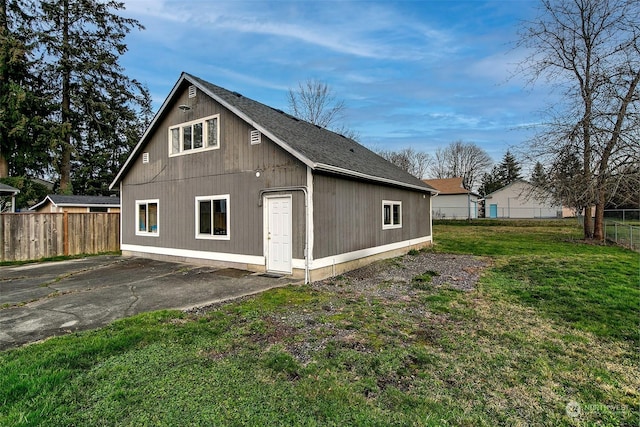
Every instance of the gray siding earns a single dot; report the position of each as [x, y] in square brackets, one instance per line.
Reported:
[348, 215]
[177, 181]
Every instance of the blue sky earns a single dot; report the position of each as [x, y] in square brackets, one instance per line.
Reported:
[417, 74]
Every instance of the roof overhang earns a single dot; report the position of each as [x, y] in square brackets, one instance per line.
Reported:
[321, 167]
[314, 166]
[7, 190]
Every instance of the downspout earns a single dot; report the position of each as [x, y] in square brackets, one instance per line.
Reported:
[306, 214]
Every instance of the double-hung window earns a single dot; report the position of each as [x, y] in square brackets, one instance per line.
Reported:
[391, 214]
[197, 135]
[147, 217]
[212, 217]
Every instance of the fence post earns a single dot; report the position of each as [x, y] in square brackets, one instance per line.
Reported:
[65, 233]
[2, 237]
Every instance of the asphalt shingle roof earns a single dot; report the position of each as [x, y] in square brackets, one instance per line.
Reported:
[7, 189]
[59, 199]
[319, 148]
[328, 150]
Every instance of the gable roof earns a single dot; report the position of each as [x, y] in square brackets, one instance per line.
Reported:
[506, 187]
[6, 190]
[84, 201]
[447, 186]
[318, 148]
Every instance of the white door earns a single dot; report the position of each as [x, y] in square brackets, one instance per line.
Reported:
[278, 236]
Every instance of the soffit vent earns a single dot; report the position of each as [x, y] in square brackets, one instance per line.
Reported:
[256, 137]
[192, 91]
[145, 157]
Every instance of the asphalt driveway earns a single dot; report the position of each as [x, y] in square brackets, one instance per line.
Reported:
[41, 300]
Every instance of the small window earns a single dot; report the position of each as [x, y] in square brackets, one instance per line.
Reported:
[391, 214]
[212, 217]
[255, 137]
[98, 209]
[197, 135]
[147, 217]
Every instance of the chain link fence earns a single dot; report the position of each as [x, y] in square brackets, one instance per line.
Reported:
[622, 234]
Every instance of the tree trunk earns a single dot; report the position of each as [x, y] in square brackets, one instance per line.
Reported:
[4, 163]
[4, 166]
[598, 226]
[587, 224]
[65, 154]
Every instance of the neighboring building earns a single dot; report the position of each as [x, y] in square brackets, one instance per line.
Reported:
[517, 200]
[9, 191]
[77, 204]
[222, 179]
[453, 200]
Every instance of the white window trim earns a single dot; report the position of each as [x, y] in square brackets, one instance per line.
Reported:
[205, 132]
[197, 215]
[137, 223]
[391, 203]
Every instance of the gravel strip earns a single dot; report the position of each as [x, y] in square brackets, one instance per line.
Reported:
[459, 272]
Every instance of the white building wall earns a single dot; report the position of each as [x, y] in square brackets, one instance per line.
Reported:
[454, 206]
[514, 201]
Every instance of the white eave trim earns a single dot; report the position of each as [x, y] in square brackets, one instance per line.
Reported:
[257, 126]
[151, 126]
[348, 172]
[284, 145]
[237, 112]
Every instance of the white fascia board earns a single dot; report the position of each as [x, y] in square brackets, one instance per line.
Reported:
[348, 172]
[151, 126]
[37, 205]
[264, 131]
[88, 205]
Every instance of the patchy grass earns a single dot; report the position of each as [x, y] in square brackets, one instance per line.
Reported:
[423, 281]
[543, 331]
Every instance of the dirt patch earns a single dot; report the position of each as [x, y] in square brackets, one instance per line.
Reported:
[390, 277]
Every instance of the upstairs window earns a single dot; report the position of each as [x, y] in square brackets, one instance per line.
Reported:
[391, 214]
[197, 135]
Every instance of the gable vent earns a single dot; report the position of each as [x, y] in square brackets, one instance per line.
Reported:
[192, 91]
[145, 157]
[255, 137]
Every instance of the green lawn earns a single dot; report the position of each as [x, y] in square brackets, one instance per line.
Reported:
[553, 322]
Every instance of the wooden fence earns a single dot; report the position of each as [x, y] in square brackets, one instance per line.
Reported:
[30, 236]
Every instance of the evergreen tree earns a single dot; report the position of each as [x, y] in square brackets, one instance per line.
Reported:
[80, 43]
[501, 175]
[539, 177]
[490, 182]
[23, 124]
[509, 169]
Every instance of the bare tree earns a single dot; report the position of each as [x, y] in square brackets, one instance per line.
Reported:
[590, 51]
[464, 159]
[315, 102]
[417, 163]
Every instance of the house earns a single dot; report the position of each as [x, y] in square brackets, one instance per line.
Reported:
[7, 190]
[77, 204]
[520, 199]
[453, 200]
[221, 179]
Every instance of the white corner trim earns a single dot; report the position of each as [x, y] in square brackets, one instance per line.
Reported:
[363, 253]
[188, 253]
